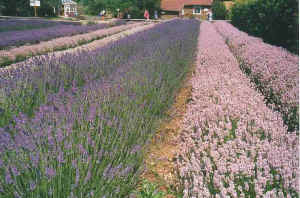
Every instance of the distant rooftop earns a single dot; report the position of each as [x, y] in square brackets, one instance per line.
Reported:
[177, 5]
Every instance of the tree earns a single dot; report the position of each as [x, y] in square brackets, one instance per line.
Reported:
[219, 10]
[56, 5]
[16, 8]
[135, 8]
[23, 8]
[276, 21]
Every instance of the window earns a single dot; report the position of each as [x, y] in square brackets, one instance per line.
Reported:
[197, 10]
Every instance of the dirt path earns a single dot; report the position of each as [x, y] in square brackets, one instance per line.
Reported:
[160, 161]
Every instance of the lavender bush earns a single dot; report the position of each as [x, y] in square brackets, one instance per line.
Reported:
[232, 144]
[96, 111]
[17, 38]
[274, 70]
[25, 24]
[25, 86]
[22, 53]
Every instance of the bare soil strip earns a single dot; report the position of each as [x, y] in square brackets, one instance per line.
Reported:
[160, 156]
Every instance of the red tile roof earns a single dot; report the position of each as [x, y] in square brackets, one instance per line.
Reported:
[198, 2]
[171, 5]
[177, 5]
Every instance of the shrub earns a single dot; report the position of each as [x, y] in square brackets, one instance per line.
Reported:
[219, 10]
[276, 21]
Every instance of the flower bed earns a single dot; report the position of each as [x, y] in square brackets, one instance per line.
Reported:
[25, 24]
[232, 143]
[17, 38]
[90, 114]
[21, 53]
[274, 70]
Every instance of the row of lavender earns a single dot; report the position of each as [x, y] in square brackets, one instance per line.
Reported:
[24, 52]
[17, 38]
[26, 85]
[92, 113]
[233, 144]
[274, 70]
[24, 24]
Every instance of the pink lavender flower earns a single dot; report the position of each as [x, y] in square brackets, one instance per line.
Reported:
[274, 70]
[50, 172]
[229, 117]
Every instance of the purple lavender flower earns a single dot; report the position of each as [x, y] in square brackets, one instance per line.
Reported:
[51, 140]
[30, 36]
[106, 171]
[50, 172]
[60, 157]
[136, 149]
[92, 193]
[62, 110]
[74, 163]
[15, 171]
[88, 176]
[82, 150]
[68, 145]
[59, 135]
[35, 158]
[77, 177]
[8, 178]
[32, 186]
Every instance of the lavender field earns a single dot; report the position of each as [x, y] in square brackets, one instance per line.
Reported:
[13, 24]
[76, 42]
[274, 70]
[75, 126]
[31, 36]
[79, 124]
[233, 144]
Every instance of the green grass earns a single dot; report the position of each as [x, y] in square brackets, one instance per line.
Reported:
[149, 190]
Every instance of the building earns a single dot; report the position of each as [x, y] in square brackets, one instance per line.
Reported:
[186, 8]
[69, 8]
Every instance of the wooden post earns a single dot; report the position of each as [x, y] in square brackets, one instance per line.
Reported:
[35, 13]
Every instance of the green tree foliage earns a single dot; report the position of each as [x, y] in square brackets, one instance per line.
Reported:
[22, 7]
[135, 8]
[276, 21]
[219, 10]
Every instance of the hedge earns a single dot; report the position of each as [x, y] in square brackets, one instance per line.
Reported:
[275, 21]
